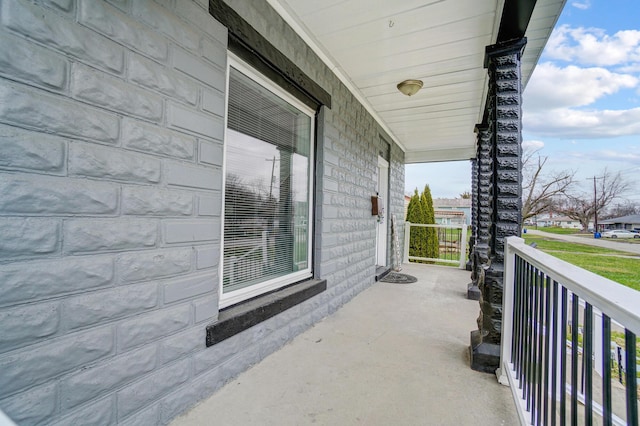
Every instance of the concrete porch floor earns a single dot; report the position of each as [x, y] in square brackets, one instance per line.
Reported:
[397, 354]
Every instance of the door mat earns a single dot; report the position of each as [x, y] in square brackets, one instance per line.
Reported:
[397, 278]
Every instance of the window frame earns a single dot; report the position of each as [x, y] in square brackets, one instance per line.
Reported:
[246, 293]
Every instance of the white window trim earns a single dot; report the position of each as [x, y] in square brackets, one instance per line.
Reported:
[236, 296]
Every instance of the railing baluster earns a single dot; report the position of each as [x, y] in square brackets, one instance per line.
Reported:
[523, 323]
[525, 307]
[587, 362]
[540, 345]
[515, 342]
[547, 332]
[516, 301]
[525, 330]
[574, 359]
[631, 378]
[529, 330]
[534, 347]
[539, 358]
[554, 352]
[563, 359]
[607, 414]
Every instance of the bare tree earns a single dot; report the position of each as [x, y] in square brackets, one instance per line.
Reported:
[585, 206]
[625, 208]
[540, 189]
[577, 208]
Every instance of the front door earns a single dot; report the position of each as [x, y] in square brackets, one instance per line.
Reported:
[383, 202]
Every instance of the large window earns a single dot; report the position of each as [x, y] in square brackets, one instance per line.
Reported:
[268, 178]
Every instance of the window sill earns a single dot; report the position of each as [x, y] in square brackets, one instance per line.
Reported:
[245, 315]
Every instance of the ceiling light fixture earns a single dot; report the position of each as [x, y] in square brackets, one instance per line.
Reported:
[410, 87]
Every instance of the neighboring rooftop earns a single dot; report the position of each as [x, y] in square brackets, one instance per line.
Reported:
[633, 218]
[451, 203]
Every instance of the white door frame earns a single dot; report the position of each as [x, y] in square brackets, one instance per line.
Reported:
[382, 227]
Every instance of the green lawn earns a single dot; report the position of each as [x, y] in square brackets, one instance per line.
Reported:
[624, 270]
[546, 244]
[554, 230]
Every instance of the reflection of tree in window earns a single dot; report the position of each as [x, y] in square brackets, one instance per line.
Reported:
[266, 227]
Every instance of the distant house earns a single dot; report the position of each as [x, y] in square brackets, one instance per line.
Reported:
[566, 222]
[448, 211]
[450, 217]
[624, 222]
[549, 219]
[452, 211]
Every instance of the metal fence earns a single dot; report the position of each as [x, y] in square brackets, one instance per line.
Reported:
[562, 327]
[452, 244]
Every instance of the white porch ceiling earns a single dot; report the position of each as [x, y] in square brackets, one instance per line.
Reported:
[374, 45]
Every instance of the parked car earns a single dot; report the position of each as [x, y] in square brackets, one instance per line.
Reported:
[620, 233]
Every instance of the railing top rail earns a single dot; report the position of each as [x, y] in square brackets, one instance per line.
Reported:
[617, 301]
[435, 225]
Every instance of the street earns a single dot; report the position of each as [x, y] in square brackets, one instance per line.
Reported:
[589, 240]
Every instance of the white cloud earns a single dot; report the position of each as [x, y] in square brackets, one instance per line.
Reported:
[620, 156]
[587, 162]
[532, 145]
[583, 124]
[582, 5]
[562, 101]
[556, 87]
[629, 69]
[592, 46]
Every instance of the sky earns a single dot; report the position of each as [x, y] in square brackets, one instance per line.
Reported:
[581, 107]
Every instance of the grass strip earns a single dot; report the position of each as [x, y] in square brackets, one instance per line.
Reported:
[624, 270]
[554, 230]
[544, 243]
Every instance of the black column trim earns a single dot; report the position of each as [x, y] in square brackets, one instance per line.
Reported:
[241, 317]
[516, 15]
[503, 48]
[252, 47]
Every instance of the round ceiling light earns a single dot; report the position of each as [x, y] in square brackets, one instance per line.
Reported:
[410, 87]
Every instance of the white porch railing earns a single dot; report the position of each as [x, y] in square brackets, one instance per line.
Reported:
[557, 360]
[452, 243]
[250, 265]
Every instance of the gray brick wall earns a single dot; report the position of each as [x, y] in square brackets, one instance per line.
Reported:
[111, 128]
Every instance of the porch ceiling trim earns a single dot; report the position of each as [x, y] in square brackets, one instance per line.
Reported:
[435, 156]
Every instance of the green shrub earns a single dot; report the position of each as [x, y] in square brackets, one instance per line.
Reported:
[423, 241]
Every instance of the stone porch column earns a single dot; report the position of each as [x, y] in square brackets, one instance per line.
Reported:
[504, 107]
[474, 213]
[484, 209]
[480, 207]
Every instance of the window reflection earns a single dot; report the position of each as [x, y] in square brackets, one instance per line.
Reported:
[266, 228]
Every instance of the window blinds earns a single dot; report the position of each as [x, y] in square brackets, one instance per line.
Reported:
[266, 224]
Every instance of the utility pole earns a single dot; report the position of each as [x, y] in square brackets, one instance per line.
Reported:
[595, 207]
[595, 204]
[273, 167]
